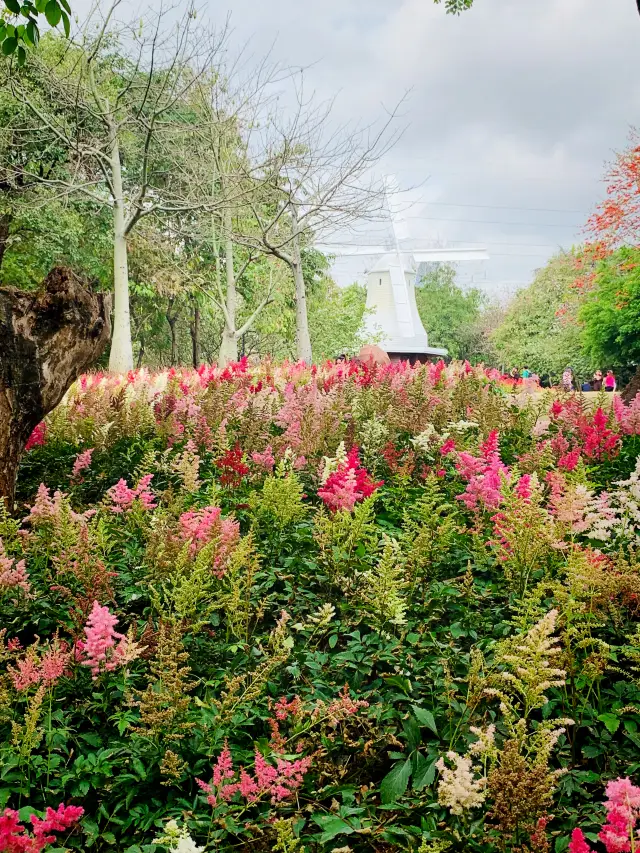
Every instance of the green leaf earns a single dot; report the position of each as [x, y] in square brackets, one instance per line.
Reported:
[53, 13]
[425, 718]
[65, 5]
[139, 768]
[32, 33]
[332, 826]
[9, 45]
[561, 844]
[611, 721]
[395, 782]
[333, 639]
[66, 23]
[13, 6]
[424, 772]
[412, 733]
[22, 55]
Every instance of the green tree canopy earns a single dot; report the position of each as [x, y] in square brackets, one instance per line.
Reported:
[451, 313]
[611, 310]
[541, 329]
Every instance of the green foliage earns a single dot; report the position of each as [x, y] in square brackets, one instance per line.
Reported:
[335, 319]
[407, 664]
[455, 7]
[20, 21]
[541, 329]
[611, 310]
[451, 314]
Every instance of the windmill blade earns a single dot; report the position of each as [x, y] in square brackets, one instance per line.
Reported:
[352, 251]
[451, 255]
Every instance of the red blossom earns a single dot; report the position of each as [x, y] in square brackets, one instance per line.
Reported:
[232, 467]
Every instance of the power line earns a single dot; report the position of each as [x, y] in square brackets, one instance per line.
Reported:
[483, 243]
[501, 207]
[500, 222]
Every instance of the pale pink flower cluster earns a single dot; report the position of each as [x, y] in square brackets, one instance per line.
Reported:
[48, 509]
[32, 670]
[264, 459]
[618, 834]
[122, 497]
[105, 648]
[569, 503]
[628, 417]
[459, 789]
[13, 575]
[278, 783]
[82, 462]
[344, 706]
[202, 526]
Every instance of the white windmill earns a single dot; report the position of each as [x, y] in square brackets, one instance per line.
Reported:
[391, 283]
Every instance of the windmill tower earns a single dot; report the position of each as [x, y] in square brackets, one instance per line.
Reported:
[391, 285]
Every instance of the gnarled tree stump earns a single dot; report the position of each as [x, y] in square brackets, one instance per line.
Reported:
[47, 339]
[633, 388]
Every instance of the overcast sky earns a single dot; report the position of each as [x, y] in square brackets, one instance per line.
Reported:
[514, 107]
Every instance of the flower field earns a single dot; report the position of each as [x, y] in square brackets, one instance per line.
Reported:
[280, 608]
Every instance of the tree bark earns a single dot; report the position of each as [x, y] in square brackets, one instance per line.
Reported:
[172, 317]
[5, 224]
[303, 339]
[633, 388]
[229, 343]
[47, 340]
[194, 328]
[121, 356]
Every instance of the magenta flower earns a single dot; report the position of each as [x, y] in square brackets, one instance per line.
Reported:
[349, 485]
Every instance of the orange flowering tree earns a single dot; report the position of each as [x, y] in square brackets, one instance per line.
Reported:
[609, 266]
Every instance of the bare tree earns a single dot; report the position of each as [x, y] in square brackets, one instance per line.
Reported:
[316, 177]
[118, 101]
[233, 103]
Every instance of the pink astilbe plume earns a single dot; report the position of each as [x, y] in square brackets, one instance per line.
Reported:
[105, 648]
[122, 497]
[37, 437]
[619, 830]
[348, 485]
[278, 783]
[47, 668]
[484, 475]
[14, 837]
[578, 843]
[627, 417]
[265, 459]
[82, 462]
[206, 525]
[13, 575]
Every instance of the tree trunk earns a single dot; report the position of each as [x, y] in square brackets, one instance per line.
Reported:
[121, 357]
[229, 343]
[5, 224]
[194, 328]
[140, 353]
[633, 388]
[47, 340]
[303, 339]
[172, 317]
